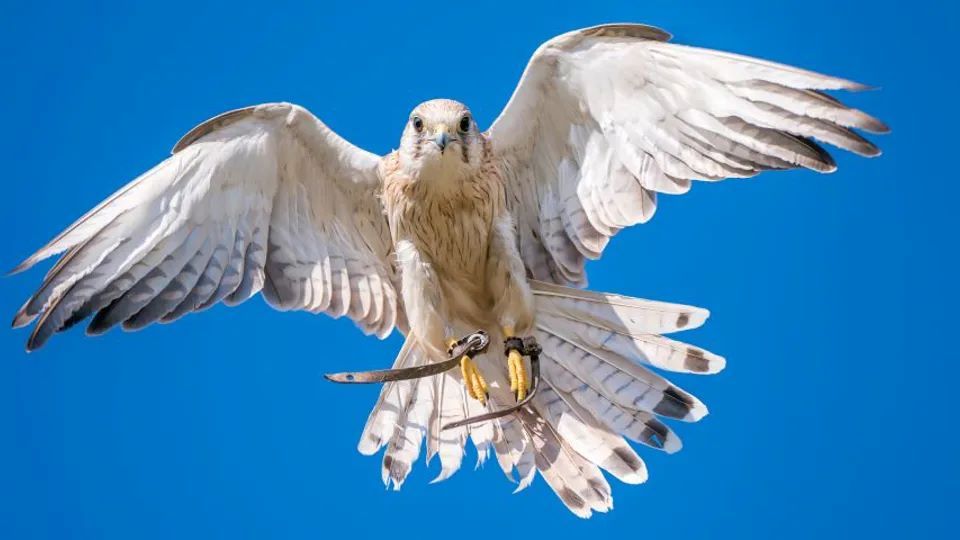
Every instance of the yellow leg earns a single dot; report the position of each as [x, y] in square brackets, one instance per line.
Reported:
[472, 378]
[519, 378]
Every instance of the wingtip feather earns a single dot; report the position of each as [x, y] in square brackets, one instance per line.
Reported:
[21, 319]
[24, 265]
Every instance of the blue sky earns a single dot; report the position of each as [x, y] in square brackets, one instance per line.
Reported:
[833, 297]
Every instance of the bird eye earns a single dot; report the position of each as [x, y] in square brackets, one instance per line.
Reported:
[417, 123]
[465, 123]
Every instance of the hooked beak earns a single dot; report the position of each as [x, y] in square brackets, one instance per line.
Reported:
[441, 138]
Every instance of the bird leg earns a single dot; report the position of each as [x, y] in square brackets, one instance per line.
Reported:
[519, 376]
[526, 347]
[472, 378]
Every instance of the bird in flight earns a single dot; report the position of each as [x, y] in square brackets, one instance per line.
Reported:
[461, 229]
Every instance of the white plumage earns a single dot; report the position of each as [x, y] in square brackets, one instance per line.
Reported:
[461, 230]
[607, 117]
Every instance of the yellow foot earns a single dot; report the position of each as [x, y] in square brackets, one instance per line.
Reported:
[519, 378]
[472, 378]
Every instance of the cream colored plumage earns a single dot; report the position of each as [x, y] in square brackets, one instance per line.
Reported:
[460, 229]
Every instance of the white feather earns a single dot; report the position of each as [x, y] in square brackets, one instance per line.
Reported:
[605, 117]
[292, 204]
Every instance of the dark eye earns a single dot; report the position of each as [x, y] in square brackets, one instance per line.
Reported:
[465, 124]
[417, 123]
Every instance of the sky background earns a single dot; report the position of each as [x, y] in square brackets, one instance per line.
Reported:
[833, 297]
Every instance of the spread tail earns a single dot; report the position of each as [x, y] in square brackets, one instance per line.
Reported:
[597, 390]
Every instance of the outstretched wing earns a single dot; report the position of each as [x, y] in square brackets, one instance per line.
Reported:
[605, 118]
[265, 198]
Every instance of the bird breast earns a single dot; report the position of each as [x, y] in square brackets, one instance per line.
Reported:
[450, 229]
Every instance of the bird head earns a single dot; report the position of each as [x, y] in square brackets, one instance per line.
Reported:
[441, 142]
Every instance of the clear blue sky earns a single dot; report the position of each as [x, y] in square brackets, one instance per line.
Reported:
[833, 297]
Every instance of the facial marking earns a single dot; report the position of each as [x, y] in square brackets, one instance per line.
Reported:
[433, 131]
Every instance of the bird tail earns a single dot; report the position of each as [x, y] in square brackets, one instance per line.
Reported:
[597, 391]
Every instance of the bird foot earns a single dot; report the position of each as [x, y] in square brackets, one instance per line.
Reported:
[524, 386]
[515, 349]
[473, 380]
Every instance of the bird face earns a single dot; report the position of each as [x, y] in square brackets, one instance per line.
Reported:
[441, 142]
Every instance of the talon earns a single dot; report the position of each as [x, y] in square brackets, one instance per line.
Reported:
[519, 378]
[472, 379]
[524, 347]
[518, 374]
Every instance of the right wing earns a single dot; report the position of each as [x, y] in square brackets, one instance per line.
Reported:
[262, 198]
[604, 118]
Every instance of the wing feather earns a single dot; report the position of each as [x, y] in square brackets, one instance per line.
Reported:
[263, 198]
[605, 118]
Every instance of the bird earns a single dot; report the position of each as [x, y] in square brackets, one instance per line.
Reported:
[461, 229]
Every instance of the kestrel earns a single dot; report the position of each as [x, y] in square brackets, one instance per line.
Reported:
[462, 229]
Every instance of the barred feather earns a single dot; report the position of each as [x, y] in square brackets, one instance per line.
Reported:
[263, 198]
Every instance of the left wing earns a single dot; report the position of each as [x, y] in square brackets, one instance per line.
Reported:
[265, 198]
[605, 118]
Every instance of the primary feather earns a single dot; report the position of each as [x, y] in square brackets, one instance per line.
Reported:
[605, 118]
[264, 198]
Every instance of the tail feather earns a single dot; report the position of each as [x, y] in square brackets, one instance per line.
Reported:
[590, 438]
[650, 349]
[622, 314]
[481, 434]
[433, 434]
[578, 482]
[383, 419]
[527, 464]
[514, 452]
[396, 466]
[626, 383]
[514, 449]
[404, 447]
[598, 390]
[451, 441]
[638, 426]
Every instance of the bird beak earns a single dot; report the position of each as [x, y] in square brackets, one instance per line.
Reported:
[441, 138]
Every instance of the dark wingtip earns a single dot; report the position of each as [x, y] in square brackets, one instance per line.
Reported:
[866, 148]
[96, 328]
[35, 341]
[860, 87]
[827, 159]
[823, 157]
[26, 264]
[21, 319]
[878, 126]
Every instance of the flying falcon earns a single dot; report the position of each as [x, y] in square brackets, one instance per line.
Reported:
[462, 230]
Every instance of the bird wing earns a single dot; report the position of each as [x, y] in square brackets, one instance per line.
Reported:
[606, 117]
[265, 198]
